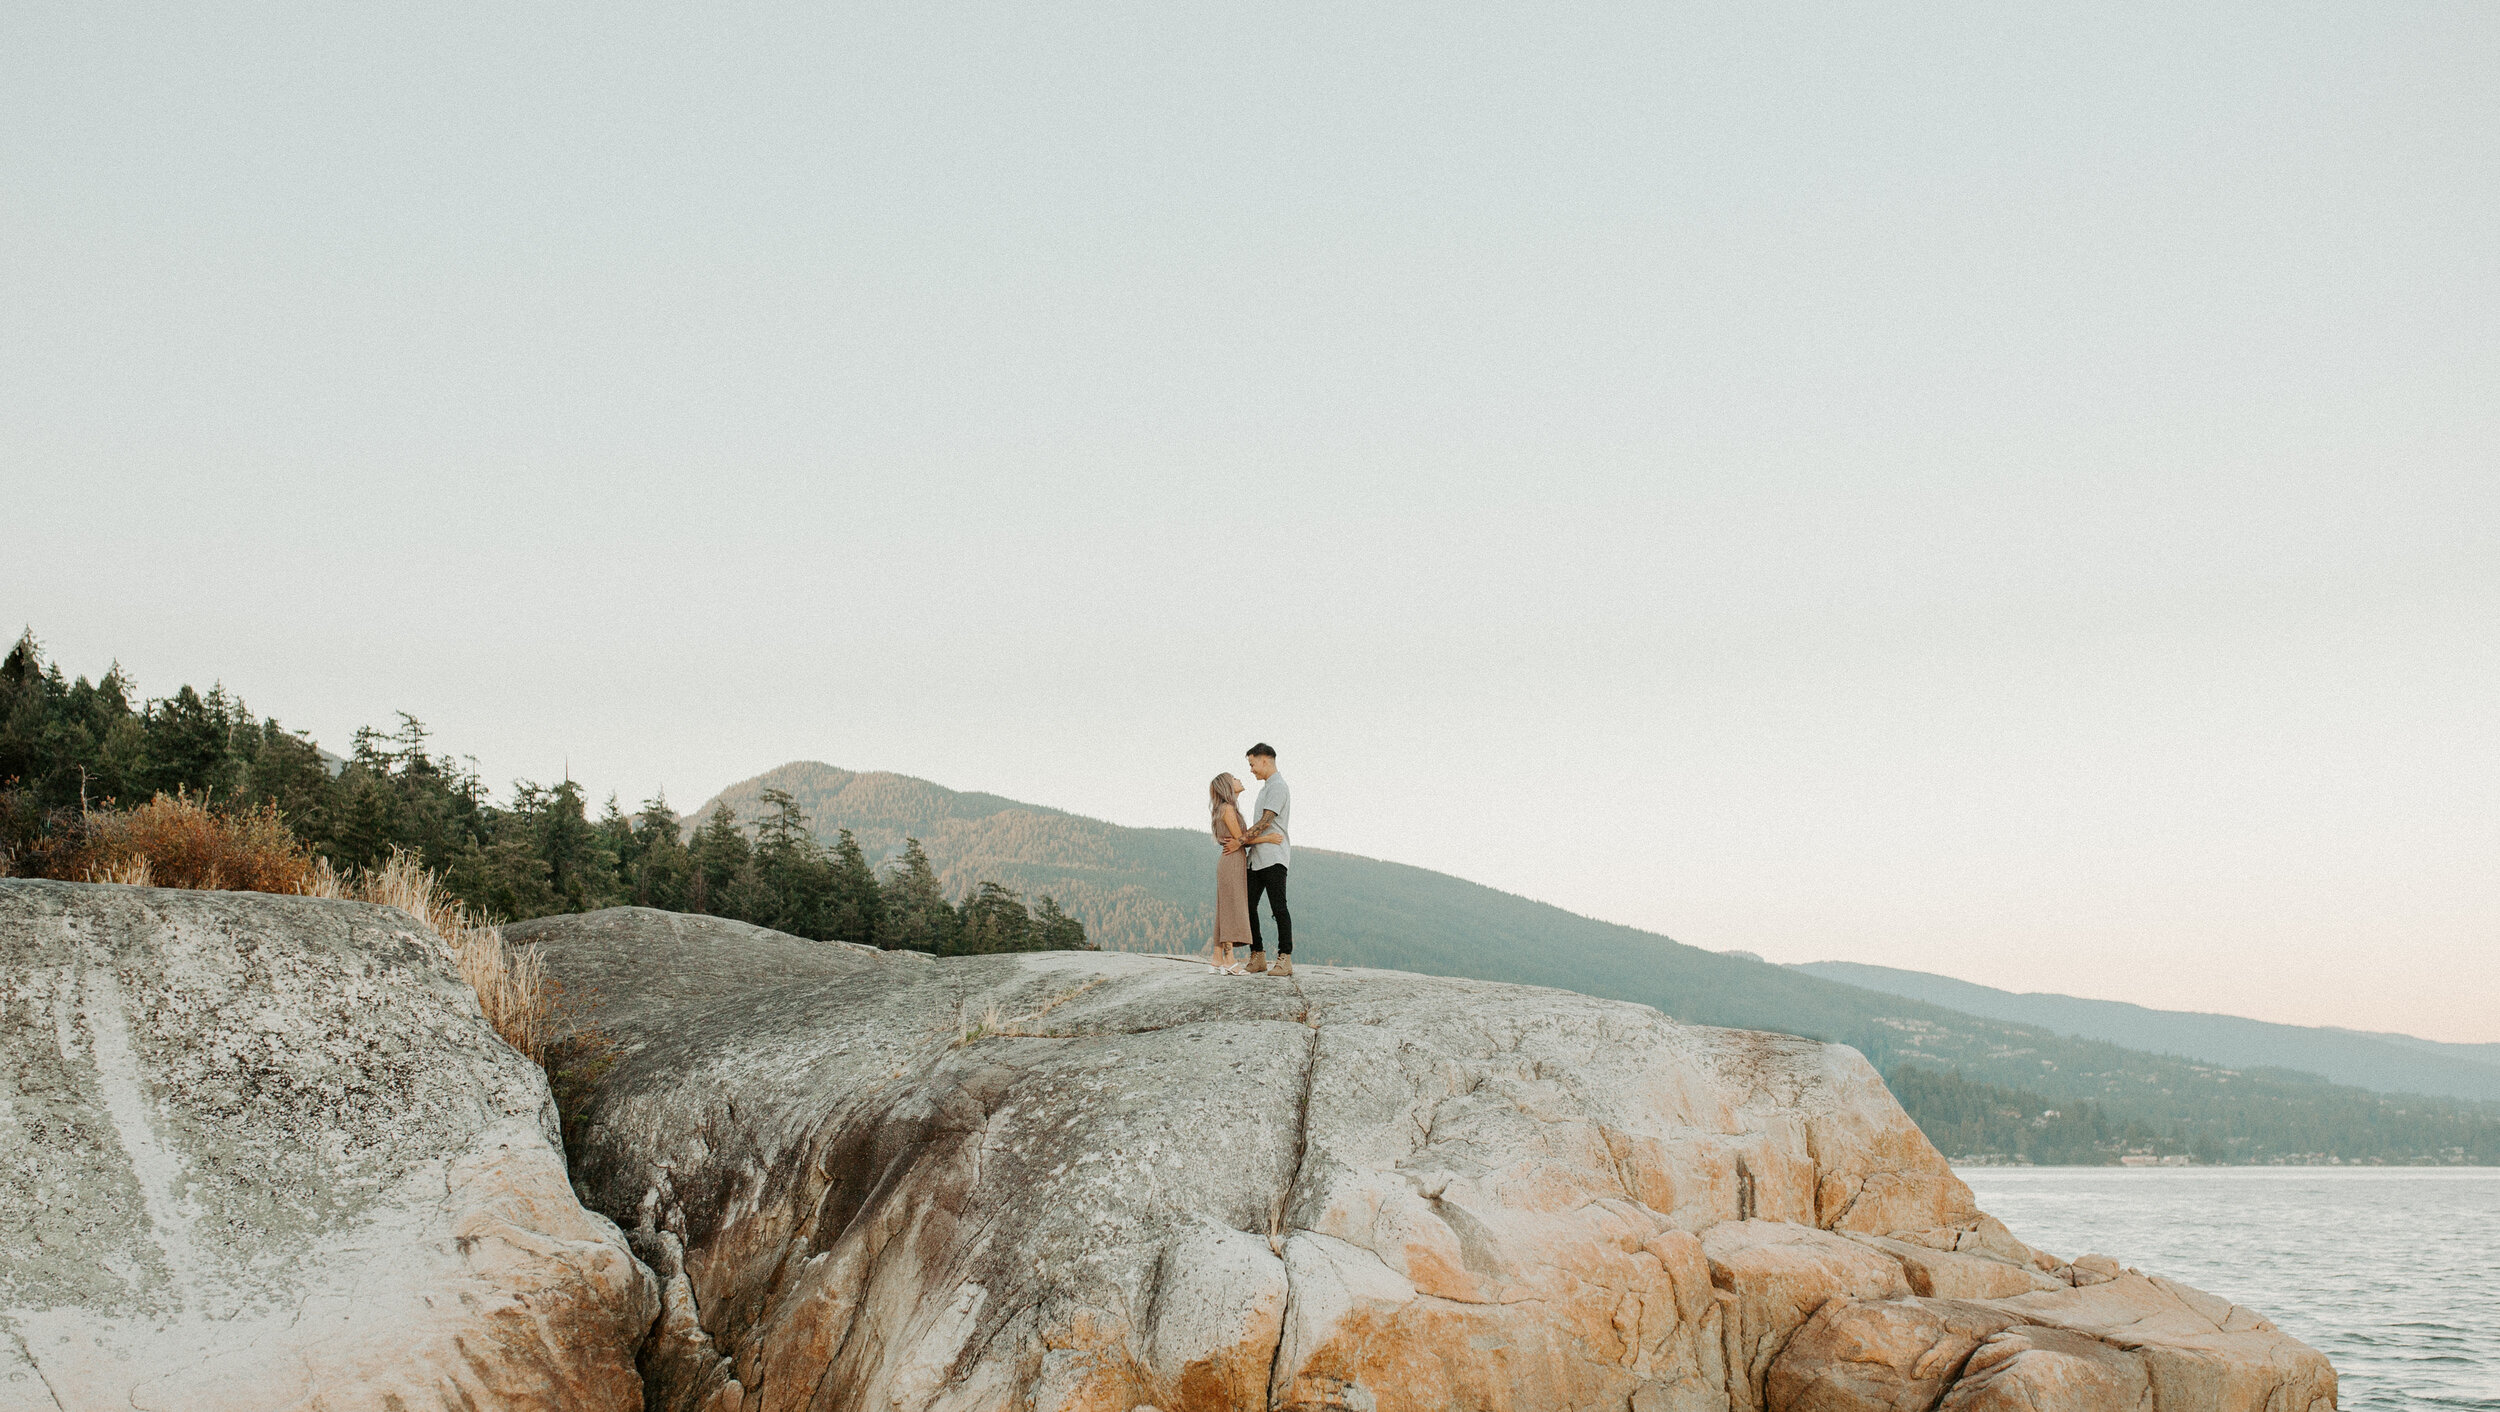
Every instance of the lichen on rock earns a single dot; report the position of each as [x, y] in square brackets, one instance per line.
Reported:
[265, 1152]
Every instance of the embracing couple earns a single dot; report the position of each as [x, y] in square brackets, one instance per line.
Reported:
[1252, 866]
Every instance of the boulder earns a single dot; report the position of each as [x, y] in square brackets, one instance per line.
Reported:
[1082, 1182]
[264, 1152]
[2035, 1369]
[1893, 1353]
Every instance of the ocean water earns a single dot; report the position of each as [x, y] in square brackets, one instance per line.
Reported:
[2391, 1272]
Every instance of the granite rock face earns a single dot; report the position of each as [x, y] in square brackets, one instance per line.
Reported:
[1067, 1181]
[263, 1152]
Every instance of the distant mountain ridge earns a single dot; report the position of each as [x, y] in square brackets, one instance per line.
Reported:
[1152, 889]
[2471, 1053]
[2383, 1063]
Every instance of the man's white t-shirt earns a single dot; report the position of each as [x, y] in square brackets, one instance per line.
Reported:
[1273, 795]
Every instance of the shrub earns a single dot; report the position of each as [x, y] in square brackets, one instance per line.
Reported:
[177, 841]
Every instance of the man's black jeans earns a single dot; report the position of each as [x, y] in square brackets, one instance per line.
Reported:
[1271, 880]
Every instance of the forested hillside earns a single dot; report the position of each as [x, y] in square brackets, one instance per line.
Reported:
[2386, 1065]
[1150, 889]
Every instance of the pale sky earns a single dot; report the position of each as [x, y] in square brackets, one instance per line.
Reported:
[1996, 491]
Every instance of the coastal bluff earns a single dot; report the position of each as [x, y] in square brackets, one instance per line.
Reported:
[263, 1152]
[1072, 1181]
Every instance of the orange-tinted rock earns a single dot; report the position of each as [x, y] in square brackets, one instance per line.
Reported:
[2034, 1369]
[1132, 1184]
[1776, 1275]
[1951, 1274]
[1895, 1354]
[2197, 1349]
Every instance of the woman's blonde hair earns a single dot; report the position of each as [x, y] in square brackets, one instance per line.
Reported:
[1221, 790]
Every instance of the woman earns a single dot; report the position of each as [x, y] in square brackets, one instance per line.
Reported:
[1232, 873]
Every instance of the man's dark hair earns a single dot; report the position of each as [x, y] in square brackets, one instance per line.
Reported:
[1262, 748]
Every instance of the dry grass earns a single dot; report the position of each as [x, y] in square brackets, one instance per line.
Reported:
[512, 987]
[129, 872]
[991, 1024]
[177, 841]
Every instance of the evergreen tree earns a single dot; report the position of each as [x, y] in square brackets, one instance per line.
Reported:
[541, 856]
[916, 912]
[64, 748]
[992, 919]
[287, 770]
[555, 827]
[505, 877]
[190, 743]
[396, 794]
[26, 721]
[719, 856]
[794, 879]
[613, 835]
[103, 738]
[1055, 930]
[858, 909]
[661, 869]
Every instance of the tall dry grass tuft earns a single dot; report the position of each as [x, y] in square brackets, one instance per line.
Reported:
[992, 1023]
[129, 872]
[177, 841]
[510, 982]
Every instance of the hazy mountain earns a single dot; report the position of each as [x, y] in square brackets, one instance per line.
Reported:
[2386, 1063]
[1152, 889]
[2471, 1053]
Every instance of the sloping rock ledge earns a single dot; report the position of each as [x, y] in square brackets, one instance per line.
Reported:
[1091, 1182]
[263, 1152]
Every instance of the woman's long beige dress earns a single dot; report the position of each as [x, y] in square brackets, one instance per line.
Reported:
[1232, 885]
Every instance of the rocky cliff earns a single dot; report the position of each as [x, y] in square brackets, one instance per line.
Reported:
[1082, 1181]
[263, 1152]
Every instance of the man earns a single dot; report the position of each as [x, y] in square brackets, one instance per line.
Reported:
[1271, 847]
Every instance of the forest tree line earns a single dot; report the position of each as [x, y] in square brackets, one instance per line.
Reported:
[1968, 1118]
[74, 751]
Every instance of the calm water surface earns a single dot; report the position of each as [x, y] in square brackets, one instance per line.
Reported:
[2388, 1271]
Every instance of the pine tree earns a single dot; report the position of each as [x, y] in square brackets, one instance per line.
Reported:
[719, 855]
[553, 826]
[26, 717]
[189, 743]
[858, 910]
[661, 868]
[992, 919]
[396, 794]
[795, 879]
[619, 847]
[505, 877]
[287, 770]
[917, 915]
[1055, 930]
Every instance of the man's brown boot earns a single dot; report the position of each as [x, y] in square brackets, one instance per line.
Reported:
[1258, 963]
[1283, 966]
